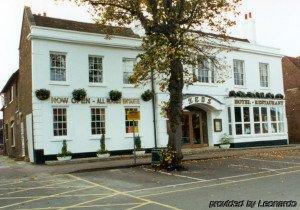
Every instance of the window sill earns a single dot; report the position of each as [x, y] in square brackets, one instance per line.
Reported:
[60, 139]
[205, 84]
[97, 85]
[128, 86]
[130, 135]
[98, 138]
[59, 83]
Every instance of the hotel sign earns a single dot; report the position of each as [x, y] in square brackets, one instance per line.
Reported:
[66, 100]
[202, 100]
[258, 102]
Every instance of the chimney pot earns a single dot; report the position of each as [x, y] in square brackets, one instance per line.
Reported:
[250, 15]
[45, 14]
[246, 16]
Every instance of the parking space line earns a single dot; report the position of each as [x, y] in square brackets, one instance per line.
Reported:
[124, 193]
[271, 161]
[138, 206]
[32, 188]
[220, 184]
[49, 196]
[61, 196]
[178, 175]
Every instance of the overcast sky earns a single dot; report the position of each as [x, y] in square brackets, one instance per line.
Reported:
[277, 25]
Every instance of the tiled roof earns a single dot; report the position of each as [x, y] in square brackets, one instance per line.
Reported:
[50, 22]
[12, 78]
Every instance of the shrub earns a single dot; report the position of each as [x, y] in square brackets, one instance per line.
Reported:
[241, 94]
[64, 150]
[279, 96]
[226, 139]
[138, 143]
[42, 94]
[79, 94]
[115, 95]
[147, 95]
[262, 95]
[102, 145]
[269, 95]
[232, 93]
[250, 95]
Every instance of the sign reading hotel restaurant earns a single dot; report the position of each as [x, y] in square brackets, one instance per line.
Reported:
[258, 102]
[66, 100]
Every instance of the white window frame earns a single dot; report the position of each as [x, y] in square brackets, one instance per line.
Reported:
[12, 133]
[243, 122]
[55, 68]
[130, 122]
[277, 121]
[261, 122]
[230, 121]
[98, 121]
[208, 67]
[264, 83]
[238, 73]
[96, 70]
[127, 73]
[59, 122]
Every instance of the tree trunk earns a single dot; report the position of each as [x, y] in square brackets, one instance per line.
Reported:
[175, 106]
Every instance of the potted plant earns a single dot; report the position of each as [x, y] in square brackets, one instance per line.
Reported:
[279, 96]
[225, 141]
[65, 154]
[42, 94]
[79, 94]
[102, 152]
[115, 95]
[138, 146]
[232, 93]
[147, 95]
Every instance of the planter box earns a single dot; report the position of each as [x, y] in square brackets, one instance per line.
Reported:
[139, 153]
[64, 158]
[224, 146]
[103, 156]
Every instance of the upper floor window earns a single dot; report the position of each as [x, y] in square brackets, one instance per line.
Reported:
[206, 73]
[264, 74]
[97, 121]
[238, 69]
[58, 66]
[12, 134]
[59, 121]
[95, 69]
[128, 64]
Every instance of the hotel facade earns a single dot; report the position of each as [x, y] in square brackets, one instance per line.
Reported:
[62, 55]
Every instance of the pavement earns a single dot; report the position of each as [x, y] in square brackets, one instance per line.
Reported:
[246, 177]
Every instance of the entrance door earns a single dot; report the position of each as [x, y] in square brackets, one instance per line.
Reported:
[194, 129]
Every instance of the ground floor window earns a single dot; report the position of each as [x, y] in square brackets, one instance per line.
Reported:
[60, 121]
[97, 121]
[131, 126]
[12, 134]
[255, 120]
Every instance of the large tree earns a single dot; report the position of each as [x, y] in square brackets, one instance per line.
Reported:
[174, 42]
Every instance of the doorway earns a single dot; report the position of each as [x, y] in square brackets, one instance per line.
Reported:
[194, 128]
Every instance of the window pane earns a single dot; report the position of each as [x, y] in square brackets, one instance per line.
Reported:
[97, 121]
[238, 129]
[265, 127]
[273, 114]
[129, 126]
[238, 69]
[247, 128]
[95, 69]
[264, 114]
[246, 114]
[274, 127]
[59, 121]
[256, 114]
[230, 129]
[257, 128]
[280, 113]
[237, 114]
[229, 114]
[281, 127]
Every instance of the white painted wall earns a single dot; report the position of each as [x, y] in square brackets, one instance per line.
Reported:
[79, 46]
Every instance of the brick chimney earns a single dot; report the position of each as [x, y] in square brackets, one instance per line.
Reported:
[249, 30]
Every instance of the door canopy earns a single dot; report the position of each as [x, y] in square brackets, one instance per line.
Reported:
[202, 101]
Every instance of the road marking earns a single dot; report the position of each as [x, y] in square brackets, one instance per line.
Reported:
[138, 206]
[61, 196]
[49, 196]
[124, 193]
[178, 175]
[271, 161]
[219, 184]
[33, 188]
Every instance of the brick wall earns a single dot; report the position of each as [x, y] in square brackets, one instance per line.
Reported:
[291, 76]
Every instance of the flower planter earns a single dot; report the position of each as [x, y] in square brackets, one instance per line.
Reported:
[64, 158]
[139, 153]
[103, 156]
[224, 146]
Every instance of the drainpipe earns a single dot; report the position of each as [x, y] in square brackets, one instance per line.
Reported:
[154, 107]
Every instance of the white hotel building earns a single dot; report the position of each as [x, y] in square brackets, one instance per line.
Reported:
[66, 55]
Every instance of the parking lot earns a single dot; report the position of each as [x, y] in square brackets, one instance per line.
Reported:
[265, 176]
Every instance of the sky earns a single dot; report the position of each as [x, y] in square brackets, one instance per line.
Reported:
[277, 25]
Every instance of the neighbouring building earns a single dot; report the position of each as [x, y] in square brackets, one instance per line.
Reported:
[1, 134]
[62, 55]
[291, 76]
